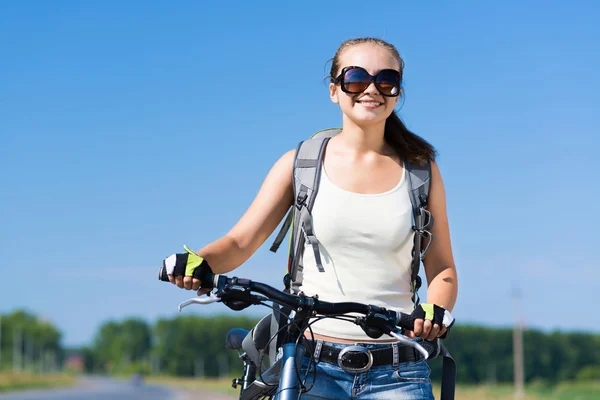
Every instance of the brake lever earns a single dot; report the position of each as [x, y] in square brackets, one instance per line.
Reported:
[407, 341]
[212, 298]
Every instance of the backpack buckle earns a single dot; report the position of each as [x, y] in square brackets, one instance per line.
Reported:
[424, 220]
[301, 199]
[418, 282]
[287, 281]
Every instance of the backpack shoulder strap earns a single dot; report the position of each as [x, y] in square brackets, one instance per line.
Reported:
[419, 178]
[306, 175]
[448, 374]
[307, 172]
[435, 348]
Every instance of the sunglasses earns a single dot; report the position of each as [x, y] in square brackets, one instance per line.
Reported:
[356, 80]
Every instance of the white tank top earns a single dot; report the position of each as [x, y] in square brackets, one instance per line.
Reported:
[365, 242]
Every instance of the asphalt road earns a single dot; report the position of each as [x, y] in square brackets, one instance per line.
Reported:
[100, 389]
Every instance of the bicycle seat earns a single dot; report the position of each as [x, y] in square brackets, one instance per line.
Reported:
[234, 338]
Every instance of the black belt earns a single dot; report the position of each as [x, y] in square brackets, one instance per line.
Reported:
[356, 358]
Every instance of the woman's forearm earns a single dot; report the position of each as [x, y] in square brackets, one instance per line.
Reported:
[443, 289]
[224, 254]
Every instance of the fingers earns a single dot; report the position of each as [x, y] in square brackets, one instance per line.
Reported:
[409, 334]
[195, 284]
[427, 325]
[187, 282]
[418, 327]
[426, 329]
[434, 333]
[442, 331]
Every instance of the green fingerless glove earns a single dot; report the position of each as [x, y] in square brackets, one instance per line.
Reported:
[186, 264]
[436, 314]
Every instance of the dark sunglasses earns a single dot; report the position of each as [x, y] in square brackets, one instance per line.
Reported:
[356, 80]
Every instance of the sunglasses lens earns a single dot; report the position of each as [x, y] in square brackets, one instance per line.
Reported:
[356, 80]
[388, 81]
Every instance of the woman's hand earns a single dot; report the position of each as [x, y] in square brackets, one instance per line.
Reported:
[186, 270]
[431, 322]
[426, 329]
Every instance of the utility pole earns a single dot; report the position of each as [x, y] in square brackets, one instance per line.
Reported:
[199, 367]
[17, 349]
[0, 342]
[28, 364]
[41, 359]
[518, 370]
[223, 365]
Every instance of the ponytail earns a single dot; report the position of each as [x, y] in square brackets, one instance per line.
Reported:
[409, 146]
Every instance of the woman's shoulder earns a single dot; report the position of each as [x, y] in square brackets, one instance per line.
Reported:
[435, 170]
[283, 167]
[286, 160]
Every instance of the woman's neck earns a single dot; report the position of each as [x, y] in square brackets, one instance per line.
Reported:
[363, 139]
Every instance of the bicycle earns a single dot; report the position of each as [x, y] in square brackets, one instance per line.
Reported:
[282, 378]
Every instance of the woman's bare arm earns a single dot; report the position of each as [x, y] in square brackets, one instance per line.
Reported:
[258, 222]
[442, 284]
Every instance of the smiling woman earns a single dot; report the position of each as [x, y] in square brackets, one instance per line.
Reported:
[355, 80]
[365, 226]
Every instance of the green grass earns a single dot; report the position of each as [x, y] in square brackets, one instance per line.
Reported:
[570, 391]
[563, 391]
[22, 380]
[206, 385]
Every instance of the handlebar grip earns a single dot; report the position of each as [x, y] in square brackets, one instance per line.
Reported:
[162, 274]
[406, 321]
[207, 281]
[203, 274]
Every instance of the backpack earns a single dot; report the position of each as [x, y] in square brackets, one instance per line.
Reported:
[306, 175]
[307, 172]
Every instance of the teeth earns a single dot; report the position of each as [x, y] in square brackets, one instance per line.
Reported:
[372, 103]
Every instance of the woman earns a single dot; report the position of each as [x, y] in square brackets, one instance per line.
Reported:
[362, 219]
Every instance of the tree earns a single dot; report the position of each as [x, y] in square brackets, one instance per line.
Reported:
[119, 345]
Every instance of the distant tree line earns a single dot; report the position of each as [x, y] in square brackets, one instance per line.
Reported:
[29, 343]
[195, 346]
[485, 354]
[184, 346]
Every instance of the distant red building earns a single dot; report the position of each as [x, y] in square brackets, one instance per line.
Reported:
[75, 363]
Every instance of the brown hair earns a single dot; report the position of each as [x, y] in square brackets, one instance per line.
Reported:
[408, 145]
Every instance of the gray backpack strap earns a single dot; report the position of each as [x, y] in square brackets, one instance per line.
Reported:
[323, 134]
[419, 178]
[306, 175]
[307, 172]
[287, 223]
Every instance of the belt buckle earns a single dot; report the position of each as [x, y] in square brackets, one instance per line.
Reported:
[355, 349]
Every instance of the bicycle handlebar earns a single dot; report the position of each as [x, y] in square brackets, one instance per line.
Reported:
[242, 287]
[236, 293]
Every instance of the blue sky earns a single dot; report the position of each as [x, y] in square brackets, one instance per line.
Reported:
[128, 130]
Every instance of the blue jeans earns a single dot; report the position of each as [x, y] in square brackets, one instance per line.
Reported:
[408, 380]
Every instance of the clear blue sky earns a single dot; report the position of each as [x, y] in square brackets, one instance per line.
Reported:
[130, 129]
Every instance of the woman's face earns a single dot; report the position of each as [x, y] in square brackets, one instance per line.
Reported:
[370, 106]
